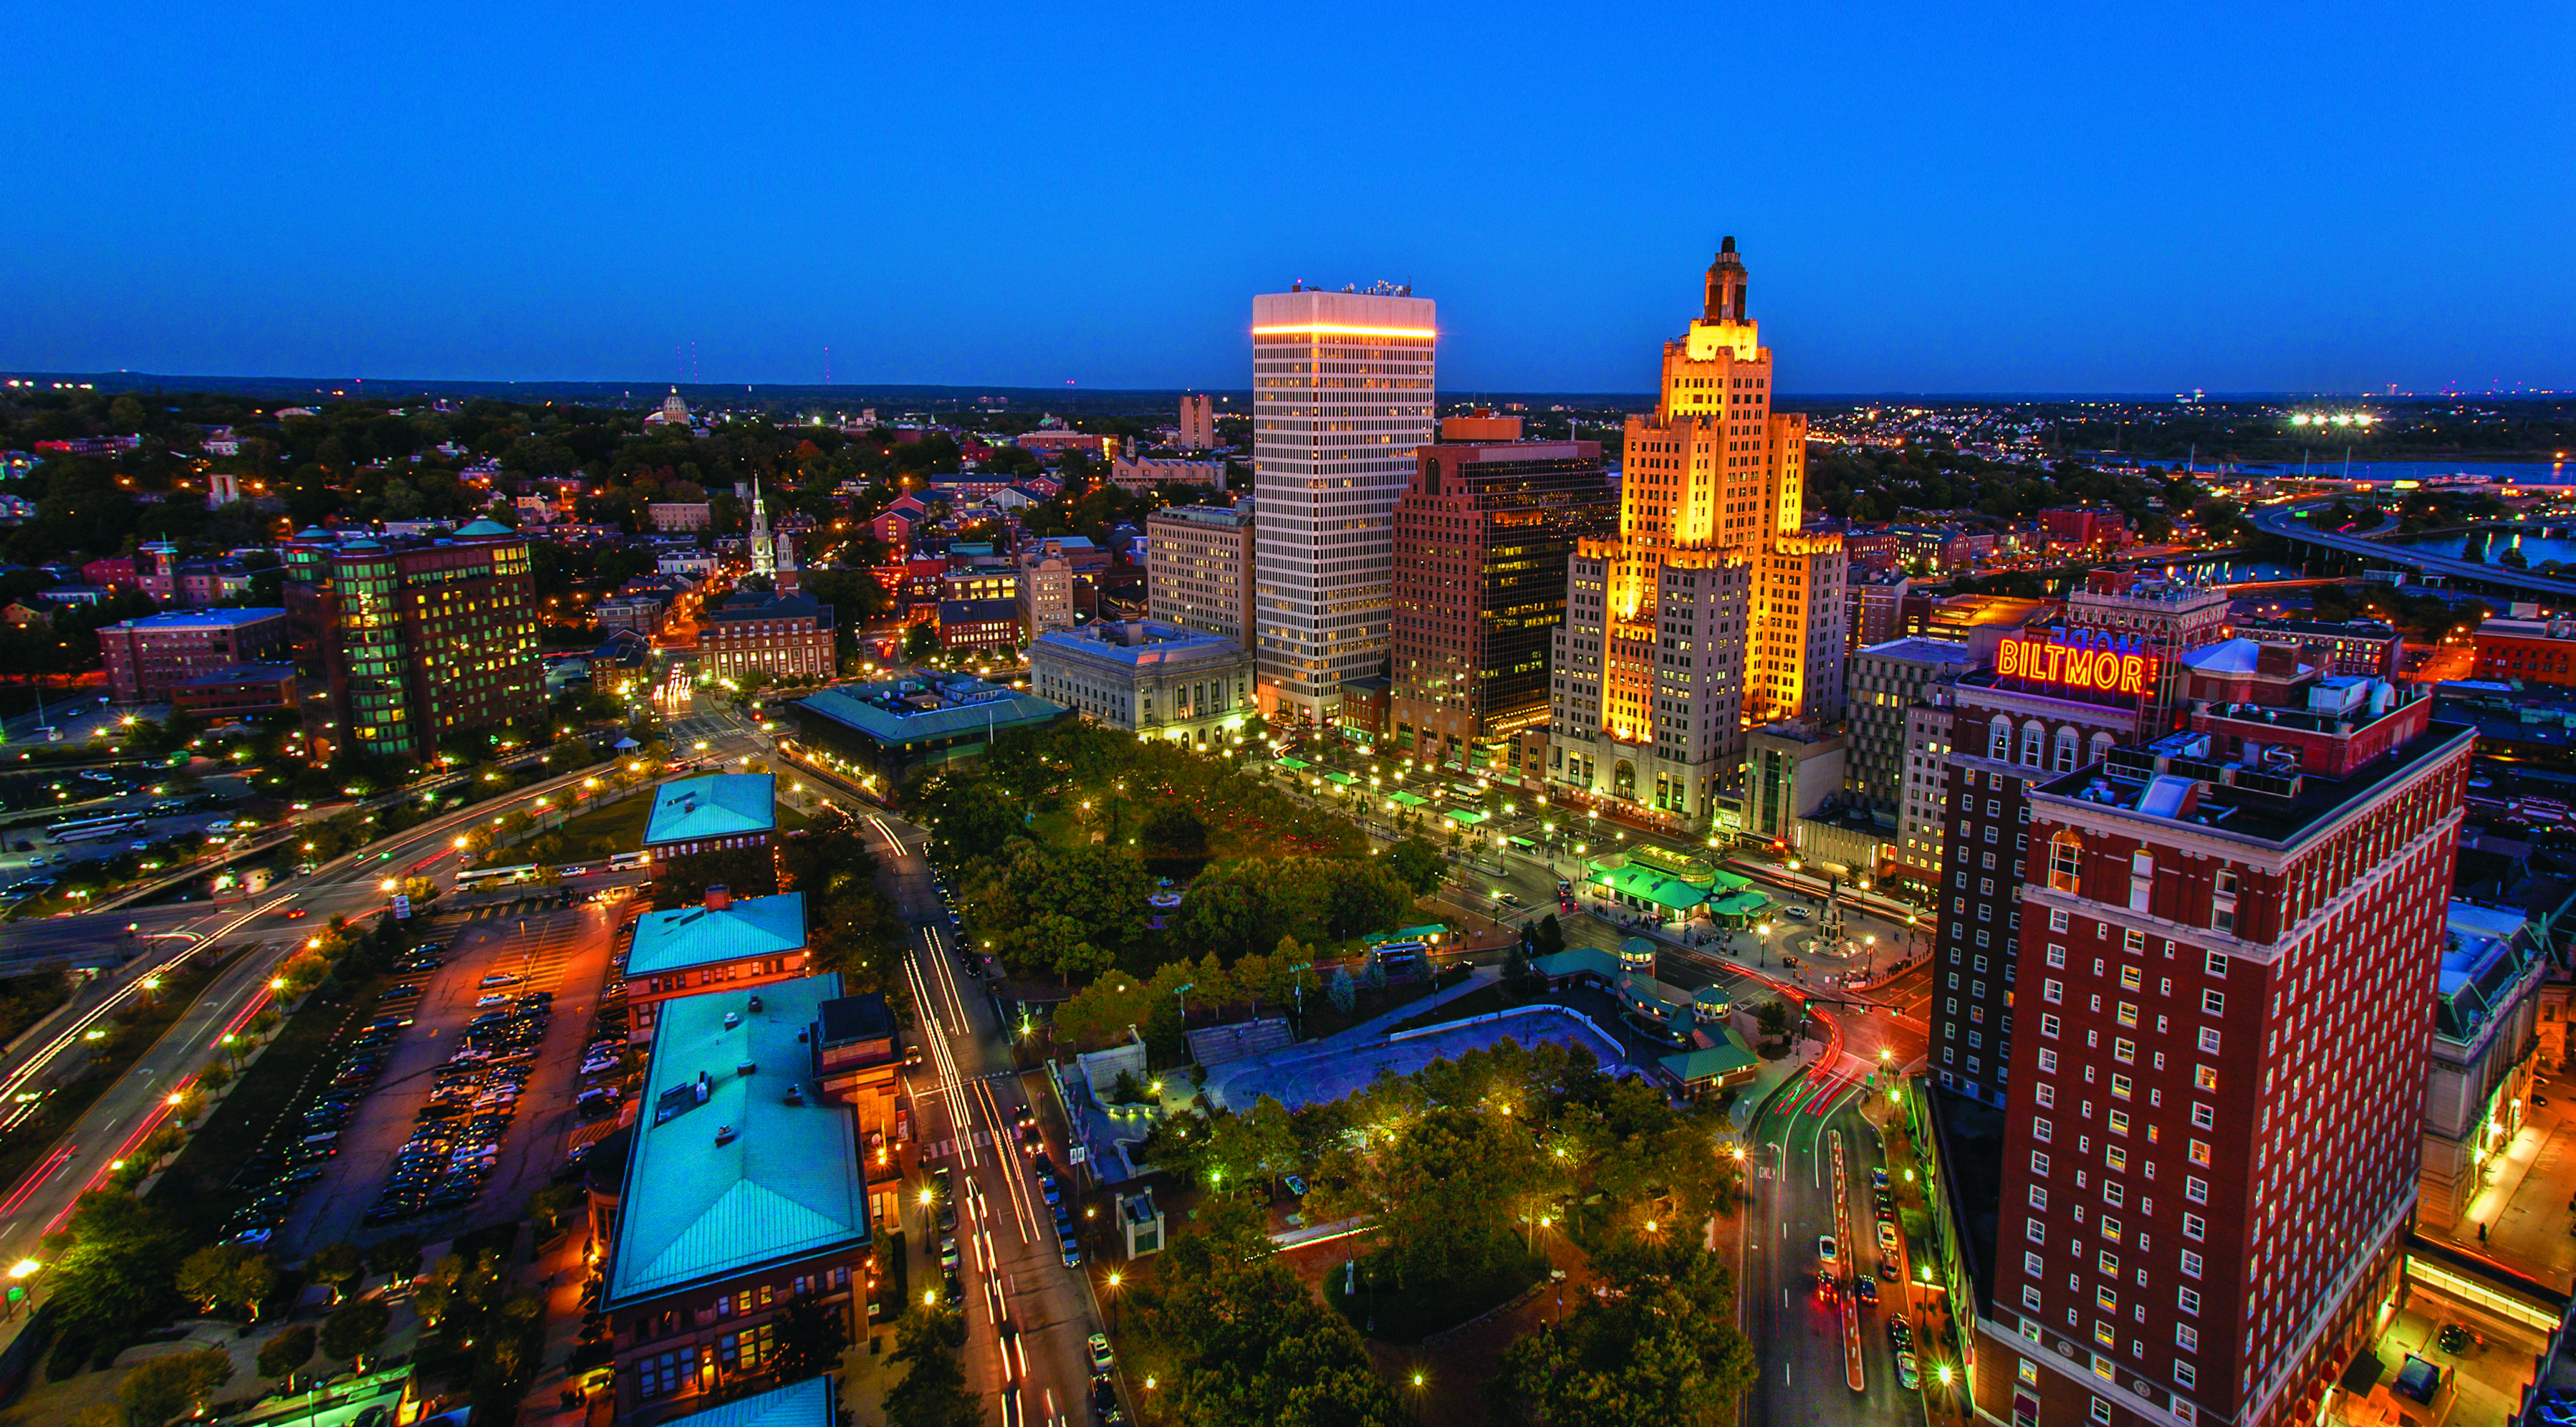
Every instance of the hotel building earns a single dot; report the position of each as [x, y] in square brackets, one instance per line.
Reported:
[2211, 1131]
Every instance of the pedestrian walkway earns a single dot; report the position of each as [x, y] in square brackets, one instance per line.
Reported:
[558, 1397]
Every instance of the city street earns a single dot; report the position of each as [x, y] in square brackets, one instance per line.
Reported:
[1027, 1314]
[1804, 1379]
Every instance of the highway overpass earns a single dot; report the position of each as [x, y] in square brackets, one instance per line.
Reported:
[2309, 544]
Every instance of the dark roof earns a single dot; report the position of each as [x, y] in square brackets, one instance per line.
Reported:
[856, 1018]
[977, 611]
[241, 674]
[751, 604]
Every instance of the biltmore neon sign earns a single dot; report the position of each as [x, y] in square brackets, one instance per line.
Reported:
[2101, 666]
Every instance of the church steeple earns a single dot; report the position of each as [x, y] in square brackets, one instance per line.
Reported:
[1726, 285]
[764, 560]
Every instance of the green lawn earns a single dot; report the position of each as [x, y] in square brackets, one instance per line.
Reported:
[1421, 1308]
[622, 822]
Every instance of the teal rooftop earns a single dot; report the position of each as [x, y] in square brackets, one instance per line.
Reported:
[718, 805]
[705, 935]
[810, 1403]
[737, 1164]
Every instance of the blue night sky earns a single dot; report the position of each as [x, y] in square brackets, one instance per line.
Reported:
[1937, 198]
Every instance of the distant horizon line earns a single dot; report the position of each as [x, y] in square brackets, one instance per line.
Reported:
[348, 387]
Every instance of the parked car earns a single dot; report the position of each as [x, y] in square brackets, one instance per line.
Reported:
[1101, 1357]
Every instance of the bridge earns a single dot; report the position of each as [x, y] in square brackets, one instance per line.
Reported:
[2475, 576]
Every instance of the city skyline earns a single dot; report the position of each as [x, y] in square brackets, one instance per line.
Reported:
[1950, 204]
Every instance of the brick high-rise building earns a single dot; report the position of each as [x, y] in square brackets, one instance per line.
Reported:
[1341, 394]
[2234, 932]
[421, 640]
[1198, 568]
[1198, 421]
[2035, 710]
[1712, 610]
[1481, 540]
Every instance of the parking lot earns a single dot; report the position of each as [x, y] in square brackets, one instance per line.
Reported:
[476, 1096]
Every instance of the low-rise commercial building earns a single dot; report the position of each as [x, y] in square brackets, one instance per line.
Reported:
[718, 813]
[147, 658]
[1149, 678]
[242, 691]
[722, 942]
[1147, 472]
[787, 637]
[2484, 1053]
[2364, 649]
[888, 730]
[2535, 651]
[966, 626]
[742, 1193]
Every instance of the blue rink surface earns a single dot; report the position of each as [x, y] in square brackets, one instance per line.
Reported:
[1317, 1075]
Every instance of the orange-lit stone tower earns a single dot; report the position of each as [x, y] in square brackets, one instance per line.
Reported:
[1713, 611]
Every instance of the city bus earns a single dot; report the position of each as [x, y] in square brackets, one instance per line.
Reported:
[92, 829]
[470, 879]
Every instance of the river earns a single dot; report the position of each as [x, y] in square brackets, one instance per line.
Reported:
[2559, 543]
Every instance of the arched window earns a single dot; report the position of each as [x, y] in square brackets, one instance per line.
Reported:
[2032, 733]
[1999, 739]
[2065, 759]
[2102, 745]
[2065, 862]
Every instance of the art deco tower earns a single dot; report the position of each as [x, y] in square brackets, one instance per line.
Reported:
[1713, 611]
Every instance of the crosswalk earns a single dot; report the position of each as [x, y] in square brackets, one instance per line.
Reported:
[950, 1149]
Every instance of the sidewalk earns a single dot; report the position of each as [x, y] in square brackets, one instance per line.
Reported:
[560, 1272]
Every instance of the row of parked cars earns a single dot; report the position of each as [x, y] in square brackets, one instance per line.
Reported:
[969, 960]
[456, 1139]
[315, 1132]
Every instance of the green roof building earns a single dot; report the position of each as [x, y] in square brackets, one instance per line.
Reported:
[815, 1402]
[895, 727]
[713, 808]
[731, 942]
[743, 1191]
[720, 813]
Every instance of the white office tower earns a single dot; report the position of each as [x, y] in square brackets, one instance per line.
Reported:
[1341, 394]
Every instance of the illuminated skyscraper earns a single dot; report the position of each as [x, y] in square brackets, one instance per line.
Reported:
[1341, 394]
[1713, 610]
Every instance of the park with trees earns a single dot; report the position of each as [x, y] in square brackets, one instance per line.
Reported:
[1057, 840]
[1476, 1176]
